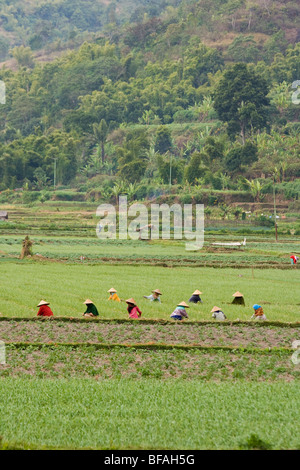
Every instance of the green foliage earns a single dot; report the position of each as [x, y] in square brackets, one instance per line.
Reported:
[171, 170]
[77, 109]
[241, 155]
[255, 443]
[240, 99]
[163, 141]
[132, 156]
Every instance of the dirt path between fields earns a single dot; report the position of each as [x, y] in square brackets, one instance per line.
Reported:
[203, 335]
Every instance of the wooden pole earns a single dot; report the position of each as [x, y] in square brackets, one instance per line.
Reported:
[276, 234]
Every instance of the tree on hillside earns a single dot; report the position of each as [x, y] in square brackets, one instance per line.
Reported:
[241, 155]
[241, 101]
[132, 156]
[163, 140]
[100, 132]
[23, 56]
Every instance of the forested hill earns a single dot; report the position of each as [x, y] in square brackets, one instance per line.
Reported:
[160, 92]
[230, 25]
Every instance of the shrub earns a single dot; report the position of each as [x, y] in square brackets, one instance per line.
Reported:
[30, 196]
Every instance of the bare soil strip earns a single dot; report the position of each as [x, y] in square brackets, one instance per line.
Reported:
[215, 335]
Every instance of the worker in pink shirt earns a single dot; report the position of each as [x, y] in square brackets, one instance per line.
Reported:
[132, 309]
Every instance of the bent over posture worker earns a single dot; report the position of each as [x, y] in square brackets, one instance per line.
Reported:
[44, 310]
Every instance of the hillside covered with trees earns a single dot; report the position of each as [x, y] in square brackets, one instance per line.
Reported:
[150, 98]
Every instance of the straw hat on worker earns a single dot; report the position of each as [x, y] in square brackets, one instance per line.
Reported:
[91, 309]
[238, 298]
[195, 298]
[180, 313]
[113, 295]
[133, 309]
[155, 296]
[217, 313]
[44, 309]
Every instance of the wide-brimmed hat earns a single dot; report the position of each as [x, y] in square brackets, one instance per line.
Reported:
[197, 292]
[157, 291]
[43, 302]
[216, 309]
[88, 301]
[237, 294]
[130, 301]
[183, 304]
[112, 290]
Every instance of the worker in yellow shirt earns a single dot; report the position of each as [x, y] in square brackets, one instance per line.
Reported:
[113, 295]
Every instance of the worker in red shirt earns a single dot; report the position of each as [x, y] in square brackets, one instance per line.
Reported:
[294, 259]
[44, 310]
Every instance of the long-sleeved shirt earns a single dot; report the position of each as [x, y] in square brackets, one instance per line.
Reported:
[45, 311]
[195, 299]
[152, 298]
[114, 297]
[134, 312]
[179, 312]
[91, 308]
[219, 315]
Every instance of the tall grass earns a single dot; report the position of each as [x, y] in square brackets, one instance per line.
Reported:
[148, 414]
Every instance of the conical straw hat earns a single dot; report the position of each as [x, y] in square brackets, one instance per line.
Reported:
[237, 294]
[197, 292]
[183, 304]
[43, 302]
[130, 301]
[215, 309]
[88, 301]
[157, 291]
[112, 290]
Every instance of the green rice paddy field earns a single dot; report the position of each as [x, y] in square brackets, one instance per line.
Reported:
[67, 286]
[112, 383]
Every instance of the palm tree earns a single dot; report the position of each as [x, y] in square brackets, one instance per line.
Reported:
[118, 189]
[255, 188]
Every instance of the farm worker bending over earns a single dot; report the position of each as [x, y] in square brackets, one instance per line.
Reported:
[218, 314]
[179, 312]
[196, 297]
[132, 308]
[91, 309]
[113, 295]
[44, 310]
[155, 296]
[258, 312]
[238, 298]
[294, 259]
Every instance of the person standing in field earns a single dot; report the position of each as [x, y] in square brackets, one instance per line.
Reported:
[155, 296]
[113, 295]
[91, 309]
[133, 309]
[180, 313]
[196, 297]
[258, 313]
[44, 309]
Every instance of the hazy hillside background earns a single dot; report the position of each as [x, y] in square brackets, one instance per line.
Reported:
[103, 94]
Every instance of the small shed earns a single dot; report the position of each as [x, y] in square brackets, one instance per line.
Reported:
[3, 215]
